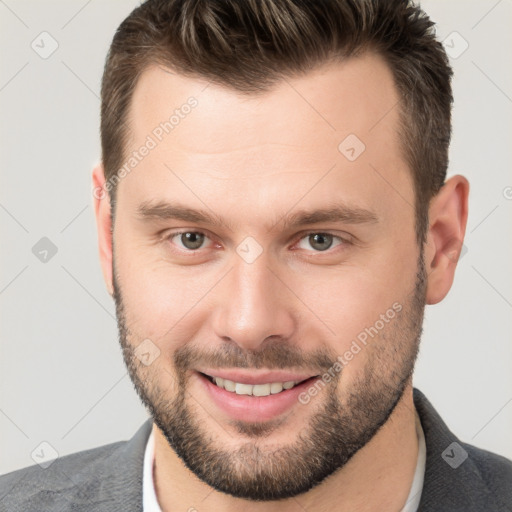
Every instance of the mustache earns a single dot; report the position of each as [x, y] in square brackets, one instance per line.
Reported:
[273, 356]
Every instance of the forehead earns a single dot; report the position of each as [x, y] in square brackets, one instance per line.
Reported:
[351, 95]
[211, 138]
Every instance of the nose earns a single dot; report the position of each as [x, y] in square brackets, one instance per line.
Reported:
[254, 305]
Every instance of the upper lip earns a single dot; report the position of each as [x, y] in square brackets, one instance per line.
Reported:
[261, 377]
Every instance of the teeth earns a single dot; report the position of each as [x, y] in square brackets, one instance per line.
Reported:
[261, 390]
[229, 385]
[243, 389]
[254, 390]
[276, 387]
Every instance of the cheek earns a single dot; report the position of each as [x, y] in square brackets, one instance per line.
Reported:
[161, 301]
[359, 303]
[347, 303]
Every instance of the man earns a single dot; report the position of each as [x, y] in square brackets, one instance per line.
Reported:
[273, 215]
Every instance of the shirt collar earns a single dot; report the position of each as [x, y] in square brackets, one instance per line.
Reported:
[413, 500]
[149, 499]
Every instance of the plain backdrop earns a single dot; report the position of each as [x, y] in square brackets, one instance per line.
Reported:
[62, 378]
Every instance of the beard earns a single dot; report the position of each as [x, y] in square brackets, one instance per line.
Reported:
[338, 428]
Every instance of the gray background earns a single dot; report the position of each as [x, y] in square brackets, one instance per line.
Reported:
[62, 378]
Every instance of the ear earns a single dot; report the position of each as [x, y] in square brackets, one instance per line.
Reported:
[104, 224]
[448, 214]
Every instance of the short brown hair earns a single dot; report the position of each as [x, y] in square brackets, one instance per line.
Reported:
[248, 45]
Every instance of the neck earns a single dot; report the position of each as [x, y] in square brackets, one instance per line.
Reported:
[378, 477]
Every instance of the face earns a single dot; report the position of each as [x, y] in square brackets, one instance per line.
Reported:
[268, 284]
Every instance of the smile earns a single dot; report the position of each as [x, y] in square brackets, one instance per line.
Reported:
[265, 389]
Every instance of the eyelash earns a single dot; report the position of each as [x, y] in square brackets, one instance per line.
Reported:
[343, 241]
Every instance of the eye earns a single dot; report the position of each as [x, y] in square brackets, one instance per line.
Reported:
[192, 241]
[321, 241]
[189, 240]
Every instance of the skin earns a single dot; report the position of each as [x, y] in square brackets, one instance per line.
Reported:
[252, 160]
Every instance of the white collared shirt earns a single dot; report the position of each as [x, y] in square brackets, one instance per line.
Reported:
[150, 501]
[413, 500]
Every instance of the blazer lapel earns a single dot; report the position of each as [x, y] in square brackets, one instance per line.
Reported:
[121, 478]
[445, 487]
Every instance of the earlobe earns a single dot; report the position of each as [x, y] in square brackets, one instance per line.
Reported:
[102, 210]
[448, 215]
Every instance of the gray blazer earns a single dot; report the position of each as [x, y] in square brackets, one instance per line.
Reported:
[109, 478]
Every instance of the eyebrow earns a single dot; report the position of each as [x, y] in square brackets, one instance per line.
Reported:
[340, 213]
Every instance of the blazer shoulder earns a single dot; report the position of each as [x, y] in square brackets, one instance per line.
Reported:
[48, 488]
[495, 470]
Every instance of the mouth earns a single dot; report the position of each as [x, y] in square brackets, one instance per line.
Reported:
[262, 389]
[251, 397]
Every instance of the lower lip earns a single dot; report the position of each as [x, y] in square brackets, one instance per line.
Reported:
[254, 408]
